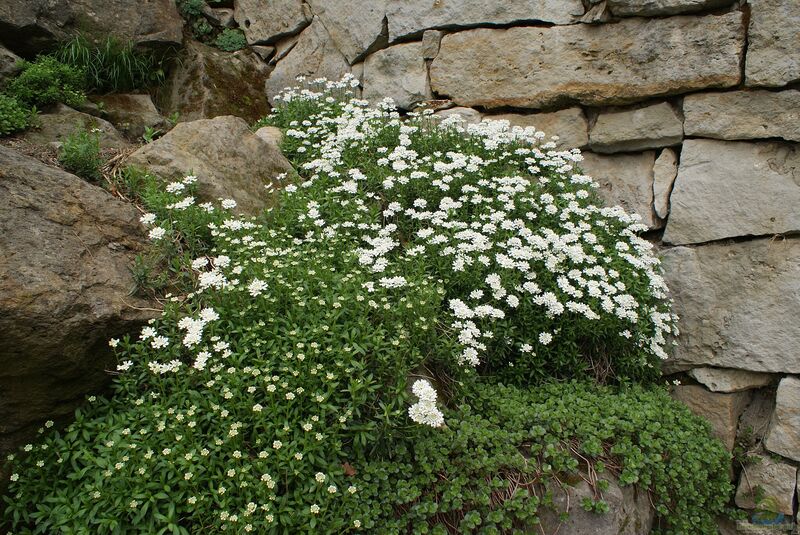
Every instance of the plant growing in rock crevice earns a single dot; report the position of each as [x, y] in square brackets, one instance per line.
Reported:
[273, 395]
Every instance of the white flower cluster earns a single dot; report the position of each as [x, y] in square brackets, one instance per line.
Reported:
[425, 411]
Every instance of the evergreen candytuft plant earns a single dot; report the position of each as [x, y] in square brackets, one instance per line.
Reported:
[343, 362]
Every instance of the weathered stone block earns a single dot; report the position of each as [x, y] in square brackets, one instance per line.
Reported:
[354, 25]
[626, 180]
[776, 480]
[602, 64]
[743, 115]
[721, 410]
[649, 8]
[664, 172]
[773, 54]
[631, 130]
[725, 380]
[783, 436]
[266, 22]
[736, 303]
[569, 125]
[398, 72]
[726, 189]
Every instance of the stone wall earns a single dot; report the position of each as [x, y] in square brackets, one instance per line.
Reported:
[689, 114]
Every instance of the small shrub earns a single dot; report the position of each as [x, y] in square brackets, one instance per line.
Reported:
[191, 8]
[230, 40]
[13, 115]
[48, 81]
[113, 65]
[80, 154]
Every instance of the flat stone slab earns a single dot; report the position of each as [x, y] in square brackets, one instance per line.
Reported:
[724, 380]
[737, 304]
[743, 115]
[630, 130]
[727, 189]
[591, 64]
[398, 72]
[721, 410]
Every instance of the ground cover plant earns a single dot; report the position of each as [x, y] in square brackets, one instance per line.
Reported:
[432, 328]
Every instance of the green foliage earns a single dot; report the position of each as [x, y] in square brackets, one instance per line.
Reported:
[191, 8]
[80, 154]
[13, 115]
[112, 65]
[272, 394]
[230, 40]
[48, 81]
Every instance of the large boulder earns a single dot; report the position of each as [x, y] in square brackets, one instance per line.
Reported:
[743, 115]
[314, 56]
[398, 72]
[591, 64]
[625, 180]
[773, 54]
[266, 22]
[62, 121]
[9, 65]
[783, 436]
[726, 189]
[207, 82]
[412, 17]
[650, 127]
[569, 125]
[31, 26]
[66, 248]
[132, 113]
[629, 510]
[736, 303]
[229, 160]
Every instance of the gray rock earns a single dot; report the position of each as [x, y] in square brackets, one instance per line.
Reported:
[734, 302]
[412, 17]
[207, 82]
[664, 172]
[314, 56]
[63, 121]
[8, 65]
[468, 115]
[726, 189]
[608, 64]
[283, 47]
[638, 129]
[267, 22]
[783, 436]
[773, 57]
[221, 17]
[66, 247]
[431, 41]
[569, 125]
[271, 135]
[398, 72]
[721, 410]
[131, 114]
[264, 52]
[229, 160]
[648, 8]
[777, 481]
[629, 510]
[596, 14]
[725, 380]
[31, 26]
[743, 115]
[354, 25]
[625, 180]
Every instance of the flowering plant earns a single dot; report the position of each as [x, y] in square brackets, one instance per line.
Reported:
[271, 395]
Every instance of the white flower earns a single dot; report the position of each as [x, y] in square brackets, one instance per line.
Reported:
[545, 338]
[228, 204]
[148, 219]
[256, 287]
[156, 233]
